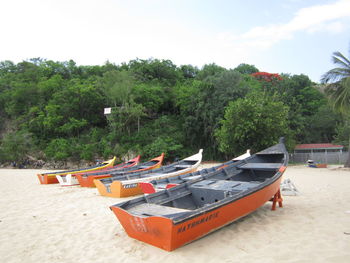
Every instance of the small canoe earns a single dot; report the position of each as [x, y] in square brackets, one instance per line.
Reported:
[179, 215]
[70, 179]
[87, 179]
[168, 182]
[128, 184]
[50, 178]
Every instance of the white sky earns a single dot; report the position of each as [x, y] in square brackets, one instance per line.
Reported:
[278, 36]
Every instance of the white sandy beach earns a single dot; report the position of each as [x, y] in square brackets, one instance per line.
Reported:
[50, 223]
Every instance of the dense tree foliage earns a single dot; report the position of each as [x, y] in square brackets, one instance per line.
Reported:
[254, 122]
[54, 110]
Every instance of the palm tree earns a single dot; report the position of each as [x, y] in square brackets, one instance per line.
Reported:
[338, 88]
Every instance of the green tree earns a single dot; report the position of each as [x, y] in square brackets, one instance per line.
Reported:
[209, 70]
[254, 122]
[202, 106]
[162, 71]
[59, 149]
[338, 88]
[246, 69]
[16, 145]
[321, 126]
[117, 87]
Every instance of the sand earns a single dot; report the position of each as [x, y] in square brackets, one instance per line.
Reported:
[50, 223]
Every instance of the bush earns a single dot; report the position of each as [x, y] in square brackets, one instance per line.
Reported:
[15, 146]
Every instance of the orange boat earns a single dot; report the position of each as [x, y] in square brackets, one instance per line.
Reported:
[70, 179]
[87, 180]
[176, 216]
[50, 178]
[129, 184]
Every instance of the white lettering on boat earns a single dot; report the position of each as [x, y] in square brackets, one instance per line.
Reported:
[127, 186]
[138, 224]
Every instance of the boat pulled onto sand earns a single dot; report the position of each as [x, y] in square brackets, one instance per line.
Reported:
[124, 185]
[173, 217]
[70, 179]
[87, 179]
[50, 178]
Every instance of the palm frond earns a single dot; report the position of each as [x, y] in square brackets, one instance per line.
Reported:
[339, 94]
[339, 59]
[338, 79]
[335, 74]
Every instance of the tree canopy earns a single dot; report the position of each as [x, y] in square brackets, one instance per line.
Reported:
[54, 110]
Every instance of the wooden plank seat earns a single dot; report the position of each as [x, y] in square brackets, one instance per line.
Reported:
[260, 166]
[183, 166]
[143, 166]
[189, 178]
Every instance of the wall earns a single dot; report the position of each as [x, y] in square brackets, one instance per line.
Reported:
[319, 157]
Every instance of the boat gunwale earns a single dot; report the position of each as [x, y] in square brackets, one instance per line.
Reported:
[185, 216]
[161, 170]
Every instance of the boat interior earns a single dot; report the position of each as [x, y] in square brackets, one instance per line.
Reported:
[125, 170]
[235, 180]
[178, 166]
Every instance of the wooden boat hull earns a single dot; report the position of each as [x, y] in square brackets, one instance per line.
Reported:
[50, 178]
[163, 233]
[176, 216]
[123, 188]
[88, 181]
[76, 179]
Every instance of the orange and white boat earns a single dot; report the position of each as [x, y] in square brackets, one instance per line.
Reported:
[128, 184]
[87, 179]
[70, 179]
[168, 182]
[50, 178]
[176, 216]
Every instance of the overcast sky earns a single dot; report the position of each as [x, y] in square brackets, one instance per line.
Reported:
[277, 36]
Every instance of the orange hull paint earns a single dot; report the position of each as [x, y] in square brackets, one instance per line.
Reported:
[163, 233]
[89, 180]
[117, 189]
[46, 179]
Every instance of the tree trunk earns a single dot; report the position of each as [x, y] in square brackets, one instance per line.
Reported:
[347, 162]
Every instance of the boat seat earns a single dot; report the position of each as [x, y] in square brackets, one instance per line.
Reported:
[260, 166]
[189, 178]
[183, 166]
[161, 185]
[148, 209]
[174, 197]
[210, 191]
[143, 166]
[148, 175]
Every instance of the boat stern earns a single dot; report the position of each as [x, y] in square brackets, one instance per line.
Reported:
[47, 179]
[154, 230]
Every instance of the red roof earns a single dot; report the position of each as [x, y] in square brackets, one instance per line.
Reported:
[318, 146]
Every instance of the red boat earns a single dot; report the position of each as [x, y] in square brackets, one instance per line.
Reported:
[87, 179]
[173, 217]
[70, 179]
